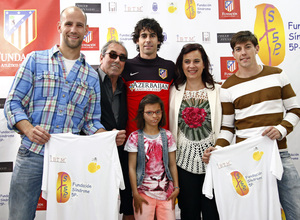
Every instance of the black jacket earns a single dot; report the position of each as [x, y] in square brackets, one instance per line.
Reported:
[107, 115]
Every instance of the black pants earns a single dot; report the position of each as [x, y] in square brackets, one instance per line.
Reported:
[191, 201]
[126, 206]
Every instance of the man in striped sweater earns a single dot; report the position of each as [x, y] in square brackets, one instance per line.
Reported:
[259, 100]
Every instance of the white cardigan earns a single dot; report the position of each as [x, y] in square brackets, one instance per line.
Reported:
[214, 103]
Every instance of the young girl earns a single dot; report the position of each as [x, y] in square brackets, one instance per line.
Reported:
[152, 166]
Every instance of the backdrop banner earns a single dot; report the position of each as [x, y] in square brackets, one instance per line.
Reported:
[31, 25]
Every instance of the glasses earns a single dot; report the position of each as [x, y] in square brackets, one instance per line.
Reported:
[150, 113]
[114, 56]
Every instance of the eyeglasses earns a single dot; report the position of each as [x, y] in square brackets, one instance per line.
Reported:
[150, 113]
[114, 56]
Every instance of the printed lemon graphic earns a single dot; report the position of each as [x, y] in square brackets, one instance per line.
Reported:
[172, 8]
[257, 155]
[269, 29]
[190, 9]
[93, 167]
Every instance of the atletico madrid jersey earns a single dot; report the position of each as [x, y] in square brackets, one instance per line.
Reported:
[146, 76]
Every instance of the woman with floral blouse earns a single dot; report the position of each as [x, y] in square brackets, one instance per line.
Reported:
[195, 120]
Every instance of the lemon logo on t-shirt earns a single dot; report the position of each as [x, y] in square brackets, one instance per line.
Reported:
[93, 167]
[257, 155]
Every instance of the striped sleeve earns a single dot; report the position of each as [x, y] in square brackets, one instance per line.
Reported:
[291, 106]
[227, 128]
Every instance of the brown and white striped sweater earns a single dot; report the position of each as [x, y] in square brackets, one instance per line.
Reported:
[250, 105]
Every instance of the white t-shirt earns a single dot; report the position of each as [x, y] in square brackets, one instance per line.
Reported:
[82, 176]
[243, 177]
[68, 64]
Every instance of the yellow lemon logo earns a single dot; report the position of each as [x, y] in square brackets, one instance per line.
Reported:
[112, 34]
[190, 9]
[172, 8]
[93, 167]
[239, 183]
[257, 155]
[269, 30]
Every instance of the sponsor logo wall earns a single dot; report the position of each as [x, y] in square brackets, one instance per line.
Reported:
[27, 25]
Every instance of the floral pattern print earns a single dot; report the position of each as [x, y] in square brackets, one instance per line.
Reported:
[194, 119]
[194, 131]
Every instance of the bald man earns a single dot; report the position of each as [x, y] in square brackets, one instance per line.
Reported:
[45, 99]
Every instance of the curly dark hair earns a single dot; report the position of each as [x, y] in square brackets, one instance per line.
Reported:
[147, 24]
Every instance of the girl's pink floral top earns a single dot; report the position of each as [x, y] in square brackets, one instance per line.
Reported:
[155, 183]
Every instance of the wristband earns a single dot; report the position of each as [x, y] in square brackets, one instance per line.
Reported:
[176, 187]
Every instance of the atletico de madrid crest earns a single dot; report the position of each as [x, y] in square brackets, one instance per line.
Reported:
[229, 6]
[231, 65]
[20, 27]
[163, 73]
[88, 37]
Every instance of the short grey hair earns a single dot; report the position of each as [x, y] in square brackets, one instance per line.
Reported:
[105, 47]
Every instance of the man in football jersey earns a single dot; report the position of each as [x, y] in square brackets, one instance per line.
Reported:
[259, 100]
[147, 72]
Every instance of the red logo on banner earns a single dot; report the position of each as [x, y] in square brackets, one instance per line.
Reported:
[26, 26]
[91, 40]
[228, 67]
[42, 204]
[229, 6]
[229, 9]
[231, 65]
[88, 37]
